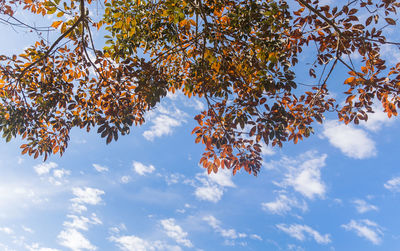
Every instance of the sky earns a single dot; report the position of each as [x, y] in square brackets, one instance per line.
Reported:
[337, 190]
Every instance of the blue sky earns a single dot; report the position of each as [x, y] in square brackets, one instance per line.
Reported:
[337, 190]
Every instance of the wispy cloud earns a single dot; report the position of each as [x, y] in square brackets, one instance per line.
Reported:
[226, 233]
[125, 179]
[100, 169]
[301, 232]
[44, 168]
[37, 247]
[213, 185]
[163, 121]
[87, 195]
[304, 174]
[351, 141]
[142, 169]
[75, 240]
[6, 230]
[393, 184]
[134, 243]
[56, 177]
[283, 204]
[362, 206]
[27, 229]
[366, 229]
[81, 222]
[175, 232]
[378, 119]
[71, 237]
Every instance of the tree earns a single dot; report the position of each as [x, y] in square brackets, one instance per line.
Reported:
[236, 55]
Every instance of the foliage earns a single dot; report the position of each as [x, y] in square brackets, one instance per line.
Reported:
[236, 55]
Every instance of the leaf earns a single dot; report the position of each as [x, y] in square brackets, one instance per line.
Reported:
[350, 80]
[109, 138]
[56, 149]
[56, 24]
[25, 150]
[253, 131]
[390, 21]
[368, 21]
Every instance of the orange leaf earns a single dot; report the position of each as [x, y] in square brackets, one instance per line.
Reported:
[56, 24]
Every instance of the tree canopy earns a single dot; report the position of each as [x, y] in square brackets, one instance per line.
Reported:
[239, 56]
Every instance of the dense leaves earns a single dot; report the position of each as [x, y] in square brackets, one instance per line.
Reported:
[236, 55]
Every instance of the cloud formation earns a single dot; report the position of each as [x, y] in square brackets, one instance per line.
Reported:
[303, 174]
[44, 168]
[175, 232]
[99, 168]
[366, 229]
[351, 141]
[75, 240]
[142, 169]
[163, 121]
[134, 243]
[301, 232]
[283, 204]
[226, 233]
[393, 184]
[213, 185]
[362, 206]
[87, 195]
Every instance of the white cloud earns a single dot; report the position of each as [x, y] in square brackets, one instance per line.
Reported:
[23, 195]
[304, 174]
[378, 119]
[59, 176]
[266, 150]
[173, 178]
[142, 169]
[134, 243]
[37, 247]
[6, 230]
[74, 240]
[393, 184]
[283, 204]
[209, 193]
[44, 168]
[87, 195]
[256, 237]
[226, 233]
[366, 229]
[27, 229]
[118, 229]
[164, 122]
[100, 168]
[390, 53]
[175, 232]
[81, 222]
[193, 102]
[61, 173]
[223, 178]
[353, 142]
[299, 232]
[213, 185]
[231, 236]
[362, 206]
[78, 208]
[126, 179]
